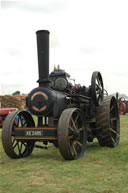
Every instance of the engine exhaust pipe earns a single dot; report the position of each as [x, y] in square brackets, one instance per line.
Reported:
[43, 56]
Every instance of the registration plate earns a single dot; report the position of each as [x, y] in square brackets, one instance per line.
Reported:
[34, 133]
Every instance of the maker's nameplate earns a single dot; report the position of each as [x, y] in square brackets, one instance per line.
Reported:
[34, 133]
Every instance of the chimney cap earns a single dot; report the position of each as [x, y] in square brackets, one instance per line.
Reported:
[42, 31]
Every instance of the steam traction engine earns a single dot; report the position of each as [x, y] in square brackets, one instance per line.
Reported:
[68, 115]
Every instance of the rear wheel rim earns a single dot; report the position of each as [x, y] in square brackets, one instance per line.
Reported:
[114, 121]
[108, 123]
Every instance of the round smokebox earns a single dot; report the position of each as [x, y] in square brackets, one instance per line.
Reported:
[40, 101]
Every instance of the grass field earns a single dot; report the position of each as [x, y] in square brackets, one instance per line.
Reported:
[101, 170]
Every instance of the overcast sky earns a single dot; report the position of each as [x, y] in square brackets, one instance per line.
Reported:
[85, 36]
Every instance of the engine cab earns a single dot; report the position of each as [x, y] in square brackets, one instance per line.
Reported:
[60, 79]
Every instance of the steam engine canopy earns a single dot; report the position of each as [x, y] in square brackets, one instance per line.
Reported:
[40, 101]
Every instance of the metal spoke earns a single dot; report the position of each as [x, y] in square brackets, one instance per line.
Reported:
[113, 139]
[98, 87]
[113, 131]
[70, 137]
[24, 124]
[73, 123]
[20, 121]
[20, 148]
[15, 144]
[20, 124]
[81, 129]
[76, 118]
[25, 145]
[113, 118]
[23, 121]
[73, 147]
[99, 82]
[80, 144]
[72, 129]
[101, 94]
[111, 108]
[17, 121]
[13, 141]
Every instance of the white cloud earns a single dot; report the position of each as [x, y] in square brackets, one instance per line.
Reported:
[48, 7]
[85, 36]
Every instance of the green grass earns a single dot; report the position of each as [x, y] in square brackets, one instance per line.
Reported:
[100, 170]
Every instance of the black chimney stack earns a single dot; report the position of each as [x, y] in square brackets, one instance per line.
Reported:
[43, 56]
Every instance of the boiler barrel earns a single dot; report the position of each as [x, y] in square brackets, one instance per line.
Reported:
[43, 56]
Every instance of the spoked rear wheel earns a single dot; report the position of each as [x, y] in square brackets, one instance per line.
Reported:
[71, 134]
[108, 123]
[17, 148]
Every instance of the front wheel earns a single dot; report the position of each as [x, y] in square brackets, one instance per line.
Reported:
[71, 134]
[17, 148]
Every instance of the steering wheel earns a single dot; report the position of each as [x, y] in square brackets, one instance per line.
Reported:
[97, 88]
